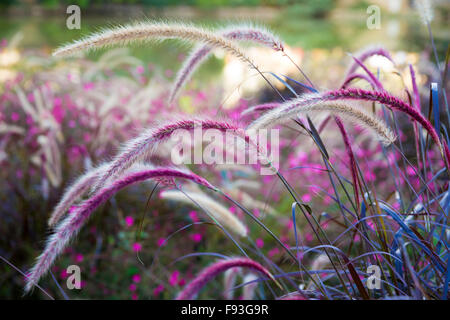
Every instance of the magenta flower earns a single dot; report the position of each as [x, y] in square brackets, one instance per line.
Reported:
[193, 216]
[79, 257]
[72, 224]
[63, 274]
[58, 111]
[273, 252]
[201, 52]
[367, 53]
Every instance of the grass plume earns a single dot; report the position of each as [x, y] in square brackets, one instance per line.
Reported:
[151, 31]
[71, 225]
[308, 105]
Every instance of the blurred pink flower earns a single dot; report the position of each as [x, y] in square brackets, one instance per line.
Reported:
[19, 174]
[87, 137]
[140, 69]
[137, 247]
[259, 243]
[88, 86]
[136, 278]
[306, 197]
[29, 120]
[79, 257]
[168, 73]
[200, 97]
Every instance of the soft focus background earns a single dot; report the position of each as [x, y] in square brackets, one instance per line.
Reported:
[61, 116]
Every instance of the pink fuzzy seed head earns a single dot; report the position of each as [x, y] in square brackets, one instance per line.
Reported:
[210, 272]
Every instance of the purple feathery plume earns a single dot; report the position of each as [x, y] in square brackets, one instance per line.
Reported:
[70, 226]
[367, 53]
[200, 53]
[207, 274]
[146, 143]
